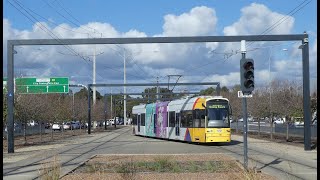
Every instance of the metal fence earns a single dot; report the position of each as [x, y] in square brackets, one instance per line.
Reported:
[297, 131]
[19, 130]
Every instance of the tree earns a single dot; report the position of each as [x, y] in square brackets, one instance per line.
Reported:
[5, 109]
[313, 103]
[83, 93]
[224, 89]
[161, 90]
[209, 91]
[27, 107]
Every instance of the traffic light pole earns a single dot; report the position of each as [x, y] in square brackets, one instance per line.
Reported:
[245, 122]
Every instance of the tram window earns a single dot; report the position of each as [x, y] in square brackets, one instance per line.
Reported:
[134, 118]
[202, 121]
[183, 119]
[196, 117]
[196, 123]
[172, 115]
[189, 119]
[186, 119]
[177, 119]
[143, 117]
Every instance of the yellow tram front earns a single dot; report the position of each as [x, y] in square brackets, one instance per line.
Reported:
[217, 120]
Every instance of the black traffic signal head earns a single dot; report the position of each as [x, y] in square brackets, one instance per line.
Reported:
[247, 75]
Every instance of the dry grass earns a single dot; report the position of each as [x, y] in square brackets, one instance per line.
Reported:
[50, 170]
[133, 167]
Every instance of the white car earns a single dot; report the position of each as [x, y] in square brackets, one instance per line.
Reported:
[107, 121]
[67, 126]
[278, 121]
[56, 126]
[33, 123]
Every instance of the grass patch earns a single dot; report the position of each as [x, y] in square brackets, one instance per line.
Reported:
[161, 166]
[51, 169]
[136, 168]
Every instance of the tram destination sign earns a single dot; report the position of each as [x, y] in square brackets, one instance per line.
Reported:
[42, 85]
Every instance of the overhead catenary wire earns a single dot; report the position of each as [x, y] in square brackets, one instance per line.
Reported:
[44, 28]
[59, 3]
[64, 16]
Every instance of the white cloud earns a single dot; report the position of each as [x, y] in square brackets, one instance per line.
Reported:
[188, 59]
[199, 21]
[257, 18]
[225, 80]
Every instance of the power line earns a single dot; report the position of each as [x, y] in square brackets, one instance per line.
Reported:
[72, 15]
[63, 15]
[44, 28]
[54, 22]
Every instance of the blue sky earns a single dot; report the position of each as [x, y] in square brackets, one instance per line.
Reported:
[76, 19]
[148, 15]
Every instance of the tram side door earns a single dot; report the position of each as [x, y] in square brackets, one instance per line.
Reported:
[177, 124]
[139, 122]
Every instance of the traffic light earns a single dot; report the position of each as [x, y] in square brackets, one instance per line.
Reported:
[247, 75]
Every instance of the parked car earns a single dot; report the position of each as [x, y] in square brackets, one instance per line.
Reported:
[107, 122]
[56, 126]
[67, 125]
[83, 126]
[33, 123]
[299, 124]
[47, 125]
[75, 125]
[278, 121]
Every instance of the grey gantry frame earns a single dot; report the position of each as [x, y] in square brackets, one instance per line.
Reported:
[193, 39]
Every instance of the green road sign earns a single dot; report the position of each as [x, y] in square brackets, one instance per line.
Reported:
[42, 85]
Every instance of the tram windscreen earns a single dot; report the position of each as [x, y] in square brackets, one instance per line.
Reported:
[218, 114]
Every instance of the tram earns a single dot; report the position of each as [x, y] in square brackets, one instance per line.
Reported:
[201, 119]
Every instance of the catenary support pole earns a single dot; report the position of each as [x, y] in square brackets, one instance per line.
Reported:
[89, 110]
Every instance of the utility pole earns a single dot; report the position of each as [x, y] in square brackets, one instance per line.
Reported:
[111, 112]
[270, 92]
[105, 112]
[158, 97]
[124, 90]
[94, 72]
[94, 76]
[73, 110]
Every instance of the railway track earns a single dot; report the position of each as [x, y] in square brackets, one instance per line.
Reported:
[37, 161]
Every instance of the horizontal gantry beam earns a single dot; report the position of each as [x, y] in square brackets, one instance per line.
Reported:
[153, 84]
[139, 40]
